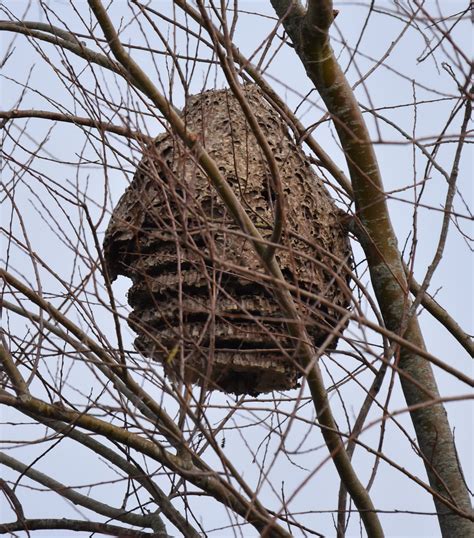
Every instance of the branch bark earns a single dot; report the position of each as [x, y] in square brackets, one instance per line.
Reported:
[309, 31]
[77, 498]
[131, 469]
[75, 120]
[74, 525]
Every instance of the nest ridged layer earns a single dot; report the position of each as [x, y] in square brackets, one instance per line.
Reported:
[202, 304]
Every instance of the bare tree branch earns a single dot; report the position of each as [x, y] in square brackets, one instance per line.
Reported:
[73, 525]
[438, 312]
[309, 33]
[172, 448]
[77, 498]
[76, 120]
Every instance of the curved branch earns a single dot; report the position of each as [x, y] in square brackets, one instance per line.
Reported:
[73, 525]
[48, 33]
[14, 502]
[209, 482]
[76, 120]
[6, 360]
[132, 470]
[77, 498]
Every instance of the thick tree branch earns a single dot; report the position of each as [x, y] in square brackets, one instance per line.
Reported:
[77, 498]
[56, 36]
[309, 35]
[6, 360]
[76, 120]
[208, 481]
[76, 526]
[131, 470]
[14, 502]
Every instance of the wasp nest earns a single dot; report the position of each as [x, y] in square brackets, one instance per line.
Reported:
[202, 304]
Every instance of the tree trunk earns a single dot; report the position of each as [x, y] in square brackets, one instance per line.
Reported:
[309, 32]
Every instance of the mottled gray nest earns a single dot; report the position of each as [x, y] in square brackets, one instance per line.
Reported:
[201, 303]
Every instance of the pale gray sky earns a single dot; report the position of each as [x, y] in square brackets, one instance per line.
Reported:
[453, 280]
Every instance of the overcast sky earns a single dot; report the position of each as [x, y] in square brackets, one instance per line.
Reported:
[423, 80]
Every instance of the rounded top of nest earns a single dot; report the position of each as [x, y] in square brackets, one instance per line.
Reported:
[197, 281]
